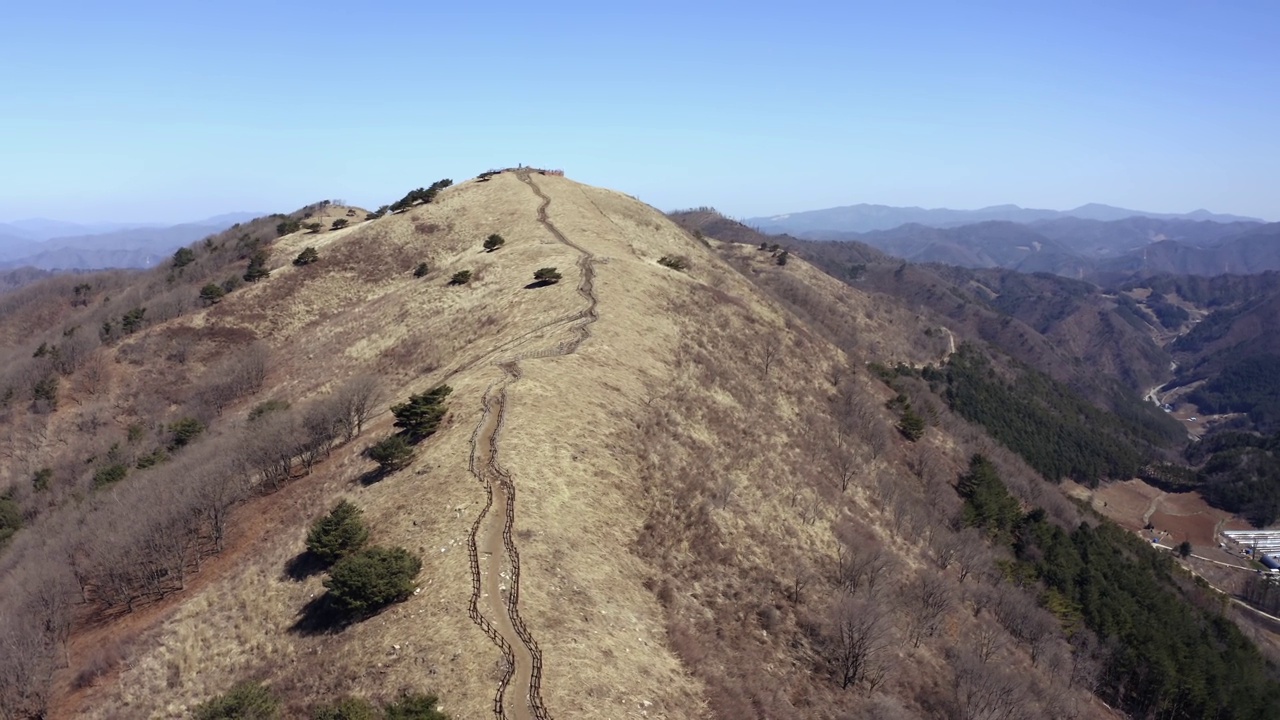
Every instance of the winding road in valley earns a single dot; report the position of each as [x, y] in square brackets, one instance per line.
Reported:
[494, 556]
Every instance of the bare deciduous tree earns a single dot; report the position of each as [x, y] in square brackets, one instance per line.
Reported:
[973, 554]
[858, 630]
[986, 690]
[926, 602]
[769, 351]
[358, 397]
[861, 561]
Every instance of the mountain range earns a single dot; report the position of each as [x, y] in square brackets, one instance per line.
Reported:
[865, 218]
[58, 245]
[1083, 248]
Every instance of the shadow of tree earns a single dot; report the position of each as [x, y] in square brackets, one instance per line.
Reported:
[373, 476]
[304, 565]
[320, 617]
[540, 283]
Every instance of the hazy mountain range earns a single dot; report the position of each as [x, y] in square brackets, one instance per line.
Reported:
[865, 218]
[57, 245]
[1067, 243]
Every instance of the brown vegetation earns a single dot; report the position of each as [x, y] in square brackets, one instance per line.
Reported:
[715, 515]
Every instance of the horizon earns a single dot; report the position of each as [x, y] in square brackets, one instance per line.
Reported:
[125, 225]
[145, 110]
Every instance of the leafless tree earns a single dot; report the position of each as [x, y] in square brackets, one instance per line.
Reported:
[235, 377]
[270, 447]
[769, 350]
[858, 630]
[973, 553]
[1018, 612]
[357, 398]
[945, 545]
[844, 464]
[986, 690]
[27, 663]
[861, 561]
[988, 643]
[926, 600]
[1088, 657]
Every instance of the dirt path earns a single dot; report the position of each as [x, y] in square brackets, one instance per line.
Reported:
[495, 559]
[1151, 509]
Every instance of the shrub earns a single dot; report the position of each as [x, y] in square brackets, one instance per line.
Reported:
[184, 431]
[306, 257]
[109, 474]
[415, 707]
[493, 242]
[675, 263]
[266, 407]
[347, 709]
[257, 269]
[211, 293]
[421, 270]
[245, 701]
[912, 425]
[782, 257]
[1184, 549]
[132, 321]
[155, 457]
[40, 481]
[10, 519]
[313, 228]
[339, 224]
[392, 453]
[230, 284]
[462, 277]
[420, 415]
[287, 227]
[183, 257]
[44, 394]
[548, 275]
[338, 534]
[369, 580]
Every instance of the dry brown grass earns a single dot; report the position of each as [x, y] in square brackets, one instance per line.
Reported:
[671, 490]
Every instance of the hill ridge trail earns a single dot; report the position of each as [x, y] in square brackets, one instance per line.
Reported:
[494, 538]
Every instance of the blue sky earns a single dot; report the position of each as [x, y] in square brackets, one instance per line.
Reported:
[172, 111]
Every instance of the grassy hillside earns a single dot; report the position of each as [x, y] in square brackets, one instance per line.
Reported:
[619, 471]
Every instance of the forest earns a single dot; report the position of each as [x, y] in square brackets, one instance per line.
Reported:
[1250, 386]
[1166, 652]
[1055, 430]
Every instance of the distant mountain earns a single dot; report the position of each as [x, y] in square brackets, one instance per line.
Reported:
[865, 218]
[133, 246]
[1082, 248]
[46, 229]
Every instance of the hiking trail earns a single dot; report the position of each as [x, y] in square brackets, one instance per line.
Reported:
[494, 557]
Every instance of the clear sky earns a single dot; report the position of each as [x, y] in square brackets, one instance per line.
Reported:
[176, 110]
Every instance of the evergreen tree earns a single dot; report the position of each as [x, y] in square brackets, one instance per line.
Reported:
[338, 534]
[366, 581]
[257, 269]
[183, 257]
[306, 257]
[421, 414]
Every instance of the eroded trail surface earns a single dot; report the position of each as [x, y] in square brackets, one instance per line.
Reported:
[495, 559]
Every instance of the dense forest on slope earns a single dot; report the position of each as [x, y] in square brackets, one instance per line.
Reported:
[1250, 386]
[1164, 652]
[1058, 433]
[1240, 472]
[1173, 656]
